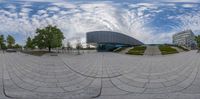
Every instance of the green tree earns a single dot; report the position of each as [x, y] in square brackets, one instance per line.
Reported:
[1, 40]
[17, 46]
[48, 37]
[197, 38]
[2, 45]
[79, 46]
[10, 41]
[29, 43]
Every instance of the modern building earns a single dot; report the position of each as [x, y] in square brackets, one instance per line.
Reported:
[185, 38]
[108, 40]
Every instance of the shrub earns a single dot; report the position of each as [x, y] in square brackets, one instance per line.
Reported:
[166, 49]
[138, 50]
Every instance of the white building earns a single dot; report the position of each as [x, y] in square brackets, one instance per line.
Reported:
[185, 38]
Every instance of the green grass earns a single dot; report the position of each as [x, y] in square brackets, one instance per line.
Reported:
[35, 53]
[166, 49]
[180, 47]
[137, 50]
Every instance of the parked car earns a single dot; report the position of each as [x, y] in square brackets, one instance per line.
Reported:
[11, 50]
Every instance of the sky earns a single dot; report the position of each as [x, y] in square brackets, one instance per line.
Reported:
[150, 21]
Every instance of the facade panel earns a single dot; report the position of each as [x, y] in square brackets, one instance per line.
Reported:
[185, 38]
[107, 40]
[111, 37]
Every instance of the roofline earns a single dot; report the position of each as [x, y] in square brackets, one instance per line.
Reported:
[117, 33]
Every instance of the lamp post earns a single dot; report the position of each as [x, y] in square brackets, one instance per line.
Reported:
[1, 45]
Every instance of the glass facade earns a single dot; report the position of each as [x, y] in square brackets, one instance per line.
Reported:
[104, 47]
[108, 40]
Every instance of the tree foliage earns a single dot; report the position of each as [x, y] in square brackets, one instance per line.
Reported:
[29, 43]
[17, 46]
[1, 39]
[2, 44]
[10, 41]
[48, 37]
[197, 38]
[79, 46]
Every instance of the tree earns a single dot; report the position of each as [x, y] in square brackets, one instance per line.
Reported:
[79, 46]
[10, 41]
[68, 46]
[29, 43]
[197, 38]
[2, 44]
[48, 37]
[17, 46]
[1, 41]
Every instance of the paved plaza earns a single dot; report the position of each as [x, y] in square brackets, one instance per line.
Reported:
[100, 75]
[152, 50]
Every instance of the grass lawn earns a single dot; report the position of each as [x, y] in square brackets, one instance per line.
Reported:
[166, 49]
[35, 53]
[137, 50]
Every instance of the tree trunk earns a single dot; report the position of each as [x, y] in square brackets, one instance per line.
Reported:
[49, 48]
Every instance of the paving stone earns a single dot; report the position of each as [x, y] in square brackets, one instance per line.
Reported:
[100, 75]
[45, 89]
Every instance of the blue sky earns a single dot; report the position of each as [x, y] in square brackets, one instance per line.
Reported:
[151, 21]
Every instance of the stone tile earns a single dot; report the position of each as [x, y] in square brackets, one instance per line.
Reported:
[129, 77]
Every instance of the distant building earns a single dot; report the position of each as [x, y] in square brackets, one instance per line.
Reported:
[108, 40]
[185, 38]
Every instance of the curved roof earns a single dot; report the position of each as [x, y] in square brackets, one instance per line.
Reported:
[111, 37]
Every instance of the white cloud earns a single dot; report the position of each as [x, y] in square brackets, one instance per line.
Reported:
[26, 10]
[40, 12]
[193, 1]
[11, 7]
[42, 0]
[189, 5]
[83, 17]
[53, 8]
[146, 4]
[65, 5]
[189, 21]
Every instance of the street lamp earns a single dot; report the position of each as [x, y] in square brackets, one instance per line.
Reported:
[4, 41]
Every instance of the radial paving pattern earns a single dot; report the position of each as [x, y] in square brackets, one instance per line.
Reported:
[100, 75]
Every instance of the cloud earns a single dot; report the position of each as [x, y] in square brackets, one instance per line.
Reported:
[12, 7]
[77, 18]
[81, 18]
[26, 10]
[190, 1]
[42, 0]
[190, 21]
[40, 12]
[53, 8]
[65, 5]
[189, 5]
